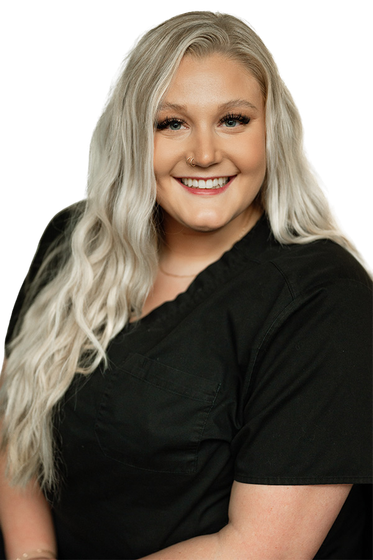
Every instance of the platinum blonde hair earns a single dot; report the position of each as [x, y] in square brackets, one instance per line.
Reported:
[108, 257]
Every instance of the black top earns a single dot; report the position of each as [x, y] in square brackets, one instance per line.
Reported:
[259, 373]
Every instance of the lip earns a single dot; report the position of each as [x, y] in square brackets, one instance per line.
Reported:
[205, 192]
[203, 178]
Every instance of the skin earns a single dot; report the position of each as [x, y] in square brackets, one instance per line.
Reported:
[220, 149]
[267, 523]
[25, 516]
[200, 104]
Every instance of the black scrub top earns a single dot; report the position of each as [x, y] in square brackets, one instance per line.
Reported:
[260, 372]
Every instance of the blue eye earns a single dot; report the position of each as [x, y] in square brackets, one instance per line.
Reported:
[228, 121]
[232, 121]
[175, 125]
[170, 124]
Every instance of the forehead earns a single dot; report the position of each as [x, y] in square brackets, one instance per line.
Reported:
[212, 80]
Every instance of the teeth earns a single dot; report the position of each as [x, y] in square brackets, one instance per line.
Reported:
[202, 184]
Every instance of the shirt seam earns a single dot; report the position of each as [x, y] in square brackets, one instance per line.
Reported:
[285, 311]
[305, 479]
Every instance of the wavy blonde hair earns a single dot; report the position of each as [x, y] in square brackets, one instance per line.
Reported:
[107, 261]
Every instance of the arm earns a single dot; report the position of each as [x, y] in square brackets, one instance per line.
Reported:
[268, 522]
[25, 518]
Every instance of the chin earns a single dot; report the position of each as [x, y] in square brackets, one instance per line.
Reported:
[204, 226]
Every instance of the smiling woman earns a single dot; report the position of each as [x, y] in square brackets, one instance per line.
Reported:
[213, 110]
[205, 114]
[188, 359]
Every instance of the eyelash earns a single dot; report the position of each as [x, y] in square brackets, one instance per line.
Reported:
[242, 119]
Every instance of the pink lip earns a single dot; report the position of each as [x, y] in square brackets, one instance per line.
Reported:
[205, 192]
[203, 178]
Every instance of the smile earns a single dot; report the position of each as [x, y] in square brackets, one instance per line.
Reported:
[205, 187]
[216, 183]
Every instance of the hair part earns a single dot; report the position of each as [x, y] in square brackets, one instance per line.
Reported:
[110, 258]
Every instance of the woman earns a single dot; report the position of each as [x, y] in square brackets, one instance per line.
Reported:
[187, 371]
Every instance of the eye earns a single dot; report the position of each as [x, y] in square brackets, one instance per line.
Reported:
[170, 124]
[233, 121]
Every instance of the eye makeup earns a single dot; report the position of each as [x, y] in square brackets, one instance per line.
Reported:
[230, 117]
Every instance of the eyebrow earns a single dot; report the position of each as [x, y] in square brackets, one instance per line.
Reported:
[224, 106]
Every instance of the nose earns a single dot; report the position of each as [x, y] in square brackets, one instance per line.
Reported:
[205, 149]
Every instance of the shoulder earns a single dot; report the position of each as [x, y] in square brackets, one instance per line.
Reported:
[309, 266]
[57, 232]
[54, 245]
[51, 253]
[62, 223]
[328, 300]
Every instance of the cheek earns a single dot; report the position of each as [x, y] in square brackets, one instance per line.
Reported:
[252, 158]
[165, 157]
[258, 150]
[158, 160]
[259, 157]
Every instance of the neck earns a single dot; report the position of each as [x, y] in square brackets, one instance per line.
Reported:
[186, 251]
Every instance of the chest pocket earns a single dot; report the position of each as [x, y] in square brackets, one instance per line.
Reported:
[153, 416]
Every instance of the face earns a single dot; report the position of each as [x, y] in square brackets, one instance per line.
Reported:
[213, 111]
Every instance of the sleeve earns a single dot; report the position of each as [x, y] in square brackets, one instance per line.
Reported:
[52, 236]
[308, 407]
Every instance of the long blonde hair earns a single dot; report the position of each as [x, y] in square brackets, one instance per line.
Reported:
[108, 259]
